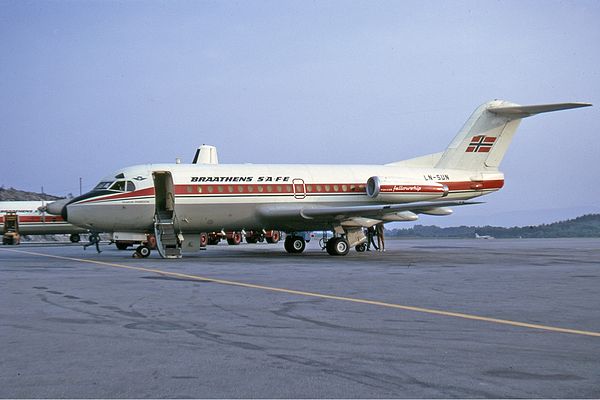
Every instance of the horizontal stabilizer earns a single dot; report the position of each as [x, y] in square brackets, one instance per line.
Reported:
[527, 111]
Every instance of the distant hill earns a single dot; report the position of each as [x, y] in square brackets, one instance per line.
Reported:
[584, 226]
[12, 194]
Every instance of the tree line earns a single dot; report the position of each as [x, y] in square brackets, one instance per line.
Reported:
[584, 226]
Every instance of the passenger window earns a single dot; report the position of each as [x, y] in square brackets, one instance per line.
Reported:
[130, 186]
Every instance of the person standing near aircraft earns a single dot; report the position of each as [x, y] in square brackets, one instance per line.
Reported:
[371, 239]
[380, 236]
[94, 241]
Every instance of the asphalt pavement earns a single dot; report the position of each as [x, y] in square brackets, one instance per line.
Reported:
[427, 318]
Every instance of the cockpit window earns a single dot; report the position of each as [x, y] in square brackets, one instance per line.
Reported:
[121, 186]
[103, 185]
[118, 185]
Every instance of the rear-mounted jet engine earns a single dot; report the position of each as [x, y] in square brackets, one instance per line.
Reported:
[404, 189]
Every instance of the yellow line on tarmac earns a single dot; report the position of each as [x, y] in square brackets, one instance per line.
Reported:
[322, 296]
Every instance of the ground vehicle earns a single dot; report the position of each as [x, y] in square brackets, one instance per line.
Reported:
[11, 233]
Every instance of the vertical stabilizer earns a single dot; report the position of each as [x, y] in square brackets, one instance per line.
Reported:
[482, 142]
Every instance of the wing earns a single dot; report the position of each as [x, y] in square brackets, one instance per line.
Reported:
[362, 215]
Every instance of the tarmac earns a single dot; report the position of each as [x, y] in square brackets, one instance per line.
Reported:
[425, 319]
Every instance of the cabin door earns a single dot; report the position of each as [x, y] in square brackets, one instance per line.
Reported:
[164, 194]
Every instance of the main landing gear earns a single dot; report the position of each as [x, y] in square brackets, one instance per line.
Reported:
[294, 244]
[343, 239]
[337, 246]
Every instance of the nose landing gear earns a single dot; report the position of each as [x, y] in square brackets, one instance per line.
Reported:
[142, 251]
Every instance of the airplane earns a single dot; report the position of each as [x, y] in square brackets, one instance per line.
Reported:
[33, 220]
[477, 236]
[174, 205]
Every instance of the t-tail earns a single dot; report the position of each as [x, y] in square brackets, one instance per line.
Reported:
[485, 137]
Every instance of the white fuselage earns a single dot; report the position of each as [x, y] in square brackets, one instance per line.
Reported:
[211, 198]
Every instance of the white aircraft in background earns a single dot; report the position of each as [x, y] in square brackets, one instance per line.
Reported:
[175, 205]
[477, 236]
[34, 221]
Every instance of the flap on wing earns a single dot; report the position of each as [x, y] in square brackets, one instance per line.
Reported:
[356, 222]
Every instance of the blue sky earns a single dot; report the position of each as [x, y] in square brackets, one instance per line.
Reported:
[88, 87]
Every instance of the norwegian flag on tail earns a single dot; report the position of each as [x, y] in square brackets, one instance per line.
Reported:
[481, 144]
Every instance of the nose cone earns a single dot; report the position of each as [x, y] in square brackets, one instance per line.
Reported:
[58, 207]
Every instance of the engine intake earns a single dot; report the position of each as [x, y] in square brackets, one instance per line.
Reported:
[404, 189]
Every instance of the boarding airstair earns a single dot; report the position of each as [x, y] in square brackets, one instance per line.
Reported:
[168, 242]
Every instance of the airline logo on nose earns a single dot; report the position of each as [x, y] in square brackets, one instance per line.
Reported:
[481, 144]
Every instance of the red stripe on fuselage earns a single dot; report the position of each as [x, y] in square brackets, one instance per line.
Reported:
[288, 189]
[468, 185]
[137, 193]
[224, 189]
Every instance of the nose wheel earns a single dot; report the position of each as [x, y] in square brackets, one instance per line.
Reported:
[142, 251]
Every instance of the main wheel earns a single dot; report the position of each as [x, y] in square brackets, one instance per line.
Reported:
[74, 238]
[121, 245]
[361, 247]
[294, 244]
[338, 246]
[143, 251]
